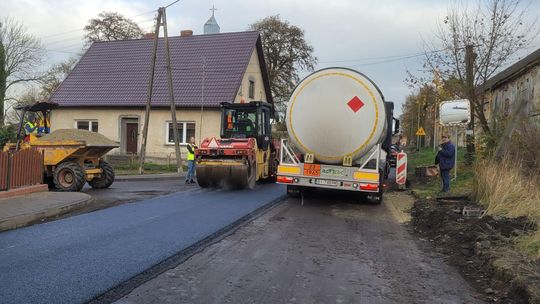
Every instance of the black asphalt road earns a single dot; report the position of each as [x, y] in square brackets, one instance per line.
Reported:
[74, 259]
[333, 249]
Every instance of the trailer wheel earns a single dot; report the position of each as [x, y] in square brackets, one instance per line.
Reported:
[293, 191]
[69, 177]
[377, 198]
[106, 179]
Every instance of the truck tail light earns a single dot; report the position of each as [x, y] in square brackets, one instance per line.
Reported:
[285, 180]
[369, 187]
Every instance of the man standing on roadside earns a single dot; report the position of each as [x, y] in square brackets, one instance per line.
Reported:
[445, 159]
[191, 160]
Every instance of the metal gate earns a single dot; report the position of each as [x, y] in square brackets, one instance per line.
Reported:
[21, 168]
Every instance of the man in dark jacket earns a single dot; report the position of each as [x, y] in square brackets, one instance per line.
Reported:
[445, 159]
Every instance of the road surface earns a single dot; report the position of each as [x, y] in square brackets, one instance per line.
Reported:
[74, 259]
[330, 250]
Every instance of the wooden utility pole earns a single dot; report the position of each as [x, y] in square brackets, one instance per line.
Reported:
[171, 94]
[469, 69]
[149, 97]
[160, 20]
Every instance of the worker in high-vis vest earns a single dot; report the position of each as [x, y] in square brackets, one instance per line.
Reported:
[191, 160]
[30, 127]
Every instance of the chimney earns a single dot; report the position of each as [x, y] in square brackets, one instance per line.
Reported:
[186, 33]
[149, 35]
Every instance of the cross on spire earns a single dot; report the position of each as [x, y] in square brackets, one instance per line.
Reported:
[213, 9]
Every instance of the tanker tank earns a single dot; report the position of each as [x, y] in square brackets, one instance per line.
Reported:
[334, 113]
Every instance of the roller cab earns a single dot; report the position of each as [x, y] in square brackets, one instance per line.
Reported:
[244, 154]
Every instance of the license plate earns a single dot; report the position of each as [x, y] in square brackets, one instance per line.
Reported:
[327, 182]
[312, 170]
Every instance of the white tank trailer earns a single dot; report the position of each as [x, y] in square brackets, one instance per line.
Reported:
[339, 128]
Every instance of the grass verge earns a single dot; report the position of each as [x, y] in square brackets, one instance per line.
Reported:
[149, 168]
[502, 188]
[431, 186]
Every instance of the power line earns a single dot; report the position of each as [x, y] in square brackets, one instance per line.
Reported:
[172, 3]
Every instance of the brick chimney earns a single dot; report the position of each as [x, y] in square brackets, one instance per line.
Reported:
[149, 35]
[186, 33]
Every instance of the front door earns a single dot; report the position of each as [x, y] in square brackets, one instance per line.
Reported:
[131, 137]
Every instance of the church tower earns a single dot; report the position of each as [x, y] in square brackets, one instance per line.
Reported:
[211, 26]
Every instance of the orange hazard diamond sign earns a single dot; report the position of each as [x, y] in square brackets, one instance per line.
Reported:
[421, 132]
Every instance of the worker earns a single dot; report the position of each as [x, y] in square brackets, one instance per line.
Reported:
[445, 159]
[30, 127]
[191, 160]
[44, 125]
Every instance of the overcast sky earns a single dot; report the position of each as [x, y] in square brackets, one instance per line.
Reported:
[367, 35]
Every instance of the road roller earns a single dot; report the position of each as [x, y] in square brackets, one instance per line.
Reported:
[245, 152]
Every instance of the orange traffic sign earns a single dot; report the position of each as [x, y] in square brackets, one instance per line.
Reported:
[421, 132]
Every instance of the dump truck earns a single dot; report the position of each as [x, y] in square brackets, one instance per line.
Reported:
[340, 130]
[245, 151]
[71, 157]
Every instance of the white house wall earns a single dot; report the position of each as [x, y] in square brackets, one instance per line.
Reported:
[253, 71]
[110, 119]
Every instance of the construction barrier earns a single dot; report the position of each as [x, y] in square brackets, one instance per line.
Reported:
[21, 168]
[401, 169]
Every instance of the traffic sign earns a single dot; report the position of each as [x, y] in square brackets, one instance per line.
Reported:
[421, 132]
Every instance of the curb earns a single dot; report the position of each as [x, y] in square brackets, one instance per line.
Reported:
[41, 216]
[124, 288]
[23, 191]
[147, 177]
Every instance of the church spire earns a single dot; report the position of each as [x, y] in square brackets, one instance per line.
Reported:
[211, 26]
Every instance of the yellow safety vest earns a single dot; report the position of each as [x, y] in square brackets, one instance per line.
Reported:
[31, 127]
[191, 156]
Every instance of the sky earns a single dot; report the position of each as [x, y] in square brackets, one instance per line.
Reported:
[371, 36]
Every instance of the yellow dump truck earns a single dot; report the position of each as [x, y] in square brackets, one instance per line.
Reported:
[70, 157]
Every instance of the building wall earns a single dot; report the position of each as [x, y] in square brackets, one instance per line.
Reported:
[110, 120]
[253, 72]
[503, 98]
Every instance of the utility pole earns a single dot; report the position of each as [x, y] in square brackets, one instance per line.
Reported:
[171, 94]
[149, 97]
[469, 69]
[160, 20]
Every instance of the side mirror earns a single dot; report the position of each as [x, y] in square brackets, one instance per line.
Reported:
[396, 126]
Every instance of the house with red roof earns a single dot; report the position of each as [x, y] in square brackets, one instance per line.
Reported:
[107, 90]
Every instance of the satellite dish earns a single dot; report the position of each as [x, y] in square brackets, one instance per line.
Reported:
[455, 112]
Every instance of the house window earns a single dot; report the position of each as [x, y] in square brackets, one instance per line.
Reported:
[89, 125]
[186, 130]
[251, 88]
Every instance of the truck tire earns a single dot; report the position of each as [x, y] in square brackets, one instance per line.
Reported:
[69, 177]
[377, 198]
[106, 179]
[293, 191]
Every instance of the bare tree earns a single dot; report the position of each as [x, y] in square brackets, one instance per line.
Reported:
[111, 26]
[55, 75]
[20, 54]
[286, 51]
[497, 30]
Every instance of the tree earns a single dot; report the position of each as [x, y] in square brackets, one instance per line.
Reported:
[110, 26]
[54, 77]
[495, 28]
[286, 52]
[20, 53]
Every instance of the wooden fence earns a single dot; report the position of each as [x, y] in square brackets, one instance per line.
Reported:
[20, 169]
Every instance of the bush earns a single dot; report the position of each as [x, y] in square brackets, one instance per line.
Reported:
[8, 133]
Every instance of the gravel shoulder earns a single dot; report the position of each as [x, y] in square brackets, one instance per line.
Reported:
[331, 250]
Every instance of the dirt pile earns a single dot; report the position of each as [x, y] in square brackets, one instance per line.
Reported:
[92, 139]
[482, 248]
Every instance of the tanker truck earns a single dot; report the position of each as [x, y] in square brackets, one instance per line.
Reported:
[339, 133]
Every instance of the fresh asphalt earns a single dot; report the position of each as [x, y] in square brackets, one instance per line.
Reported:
[76, 259]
